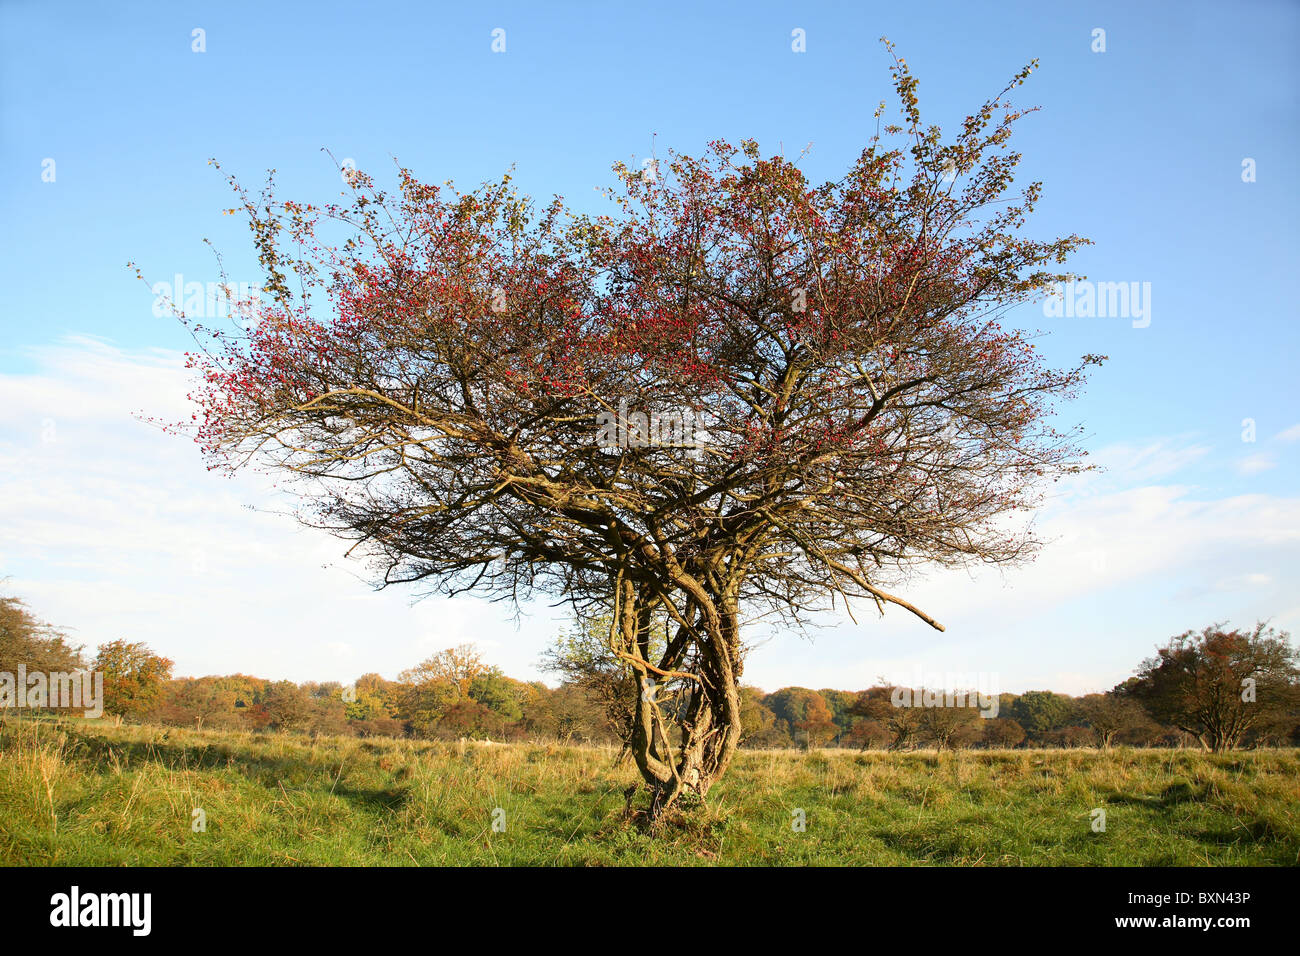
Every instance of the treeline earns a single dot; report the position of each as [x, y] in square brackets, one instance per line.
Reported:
[1217, 689]
[485, 704]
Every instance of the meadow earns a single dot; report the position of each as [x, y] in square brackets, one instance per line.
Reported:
[89, 793]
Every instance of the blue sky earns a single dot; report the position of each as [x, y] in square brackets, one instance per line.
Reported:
[115, 530]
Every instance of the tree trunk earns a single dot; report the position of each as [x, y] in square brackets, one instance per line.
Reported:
[706, 724]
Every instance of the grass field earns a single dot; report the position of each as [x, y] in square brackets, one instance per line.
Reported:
[87, 793]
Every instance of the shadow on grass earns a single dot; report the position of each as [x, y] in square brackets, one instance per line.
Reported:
[263, 769]
[388, 799]
[1173, 795]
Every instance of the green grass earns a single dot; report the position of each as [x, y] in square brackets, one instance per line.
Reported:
[89, 793]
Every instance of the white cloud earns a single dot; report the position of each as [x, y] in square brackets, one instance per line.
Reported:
[115, 529]
[1241, 582]
[1120, 572]
[1157, 459]
[1254, 464]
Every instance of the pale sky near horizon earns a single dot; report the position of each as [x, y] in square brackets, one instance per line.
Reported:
[113, 529]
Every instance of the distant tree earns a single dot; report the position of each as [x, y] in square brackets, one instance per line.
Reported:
[902, 723]
[1003, 732]
[371, 698]
[466, 718]
[498, 693]
[30, 642]
[1147, 733]
[319, 689]
[378, 727]
[456, 665]
[256, 716]
[818, 725]
[756, 718]
[873, 705]
[423, 705]
[1039, 711]
[1281, 732]
[805, 713]
[839, 702]
[1070, 736]
[538, 711]
[135, 678]
[1109, 715]
[248, 690]
[870, 703]
[584, 656]
[579, 718]
[866, 732]
[201, 702]
[432, 687]
[327, 714]
[364, 706]
[1219, 685]
[949, 727]
[375, 685]
[288, 705]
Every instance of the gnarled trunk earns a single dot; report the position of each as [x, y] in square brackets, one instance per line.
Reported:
[684, 739]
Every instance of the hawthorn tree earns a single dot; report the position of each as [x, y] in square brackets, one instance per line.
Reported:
[739, 393]
[1003, 732]
[1110, 715]
[1219, 685]
[868, 733]
[950, 727]
[902, 725]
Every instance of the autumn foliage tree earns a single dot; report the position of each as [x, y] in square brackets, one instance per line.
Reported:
[901, 725]
[201, 701]
[806, 714]
[26, 641]
[811, 389]
[1219, 685]
[135, 677]
[287, 704]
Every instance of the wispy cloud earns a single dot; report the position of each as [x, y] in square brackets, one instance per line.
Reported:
[1161, 458]
[1254, 464]
[115, 529]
